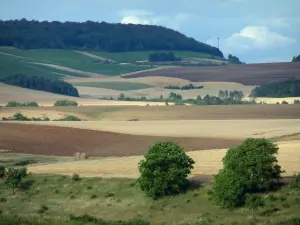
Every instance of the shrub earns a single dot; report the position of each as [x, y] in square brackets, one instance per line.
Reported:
[20, 104]
[296, 181]
[254, 202]
[284, 103]
[297, 101]
[20, 117]
[42, 209]
[69, 118]
[164, 170]
[76, 177]
[2, 171]
[65, 103]
[93, 196]
[15, 177]
[250, 167]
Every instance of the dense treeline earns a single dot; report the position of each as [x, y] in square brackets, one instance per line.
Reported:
[102, 36]
[42, 84]
[296, 58]
[163, 57]
[287, 88]
[234, 60]
[185, 87]
[22, 104]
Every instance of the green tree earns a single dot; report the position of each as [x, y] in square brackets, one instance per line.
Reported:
[254, 202]
[14, 177]
[250, 167]
[164, 170]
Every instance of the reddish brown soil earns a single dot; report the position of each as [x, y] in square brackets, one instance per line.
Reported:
[62, 141]
[250, 74]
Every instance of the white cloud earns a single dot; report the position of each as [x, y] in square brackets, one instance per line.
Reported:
[257, 37]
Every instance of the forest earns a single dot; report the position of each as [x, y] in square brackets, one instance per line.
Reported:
[42, 84]
[287, 88]
[101, 36]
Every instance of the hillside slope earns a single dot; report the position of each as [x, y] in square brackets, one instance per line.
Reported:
[102, 36]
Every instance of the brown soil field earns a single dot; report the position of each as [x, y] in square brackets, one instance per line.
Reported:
[250, 74]
[60, 141]
[229, 129]
[207, 162]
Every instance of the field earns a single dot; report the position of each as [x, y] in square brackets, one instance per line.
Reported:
[250, 74]
[119, 86]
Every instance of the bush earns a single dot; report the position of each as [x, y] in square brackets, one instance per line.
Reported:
[65, 103]
[164, 170]
[20, 104]
[2, 171]
[248, 168]
[43, 209]
[297, 101]
[296, 181]
[20, 117]
[284, 103]
[69, 118]
[76, 177]
[14, 177]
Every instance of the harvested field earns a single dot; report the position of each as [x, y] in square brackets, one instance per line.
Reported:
[207, 163]
[13, 93]
[232, 129]
[60, 141]
[250, 74]
[221, 112]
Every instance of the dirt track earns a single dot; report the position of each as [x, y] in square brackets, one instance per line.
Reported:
[251, 74]
[61, 141]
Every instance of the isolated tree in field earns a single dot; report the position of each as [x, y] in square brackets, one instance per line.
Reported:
[14, 177]
[164, 170]
[248, 168]
[254, 202]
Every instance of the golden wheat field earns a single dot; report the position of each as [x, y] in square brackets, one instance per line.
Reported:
[190, 128]
[207, 162]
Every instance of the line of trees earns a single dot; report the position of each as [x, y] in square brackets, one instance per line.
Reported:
[42, 84]
[234, 60]
[163, 57]
[287, 88]
[22, 104]
[296, 58]
[185, 87]
[102, 36]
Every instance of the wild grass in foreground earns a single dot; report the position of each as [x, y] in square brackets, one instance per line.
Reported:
[61, 199]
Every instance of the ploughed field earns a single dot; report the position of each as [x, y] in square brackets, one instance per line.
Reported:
[65, 141]
[250, 74]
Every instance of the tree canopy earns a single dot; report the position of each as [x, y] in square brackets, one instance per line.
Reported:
[102, 36]
[296, 58]
[234, 60]
[42, 84]
[249, 168]
[164, 170]
[287, 88]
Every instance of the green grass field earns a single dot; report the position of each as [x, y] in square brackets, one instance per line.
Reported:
[121, 199]
[139, 56]
[119, 86]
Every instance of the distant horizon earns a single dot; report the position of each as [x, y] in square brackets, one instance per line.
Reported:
[254, 34]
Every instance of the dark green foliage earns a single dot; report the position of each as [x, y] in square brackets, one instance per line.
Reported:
[19, 116]
[234, 60]
[3, 200]
[25, 162]
[42, 84]
[164, 170]
[248, 168]
[254, 202]
[93, 196]
[65, 103]
[287, 88]
[69, 118]
[292, 221]
[96, 36]
[163, 56]
[284, 103]
[297, 101]
[2, 171]
[296, 181]
[76, 177]
[296, 58]
[20, 104]
[43, 209]
[14, 177]
[185, 87]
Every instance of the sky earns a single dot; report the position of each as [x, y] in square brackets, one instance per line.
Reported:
[254, 30]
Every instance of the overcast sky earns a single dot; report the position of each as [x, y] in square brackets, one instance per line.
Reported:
[253, 30]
